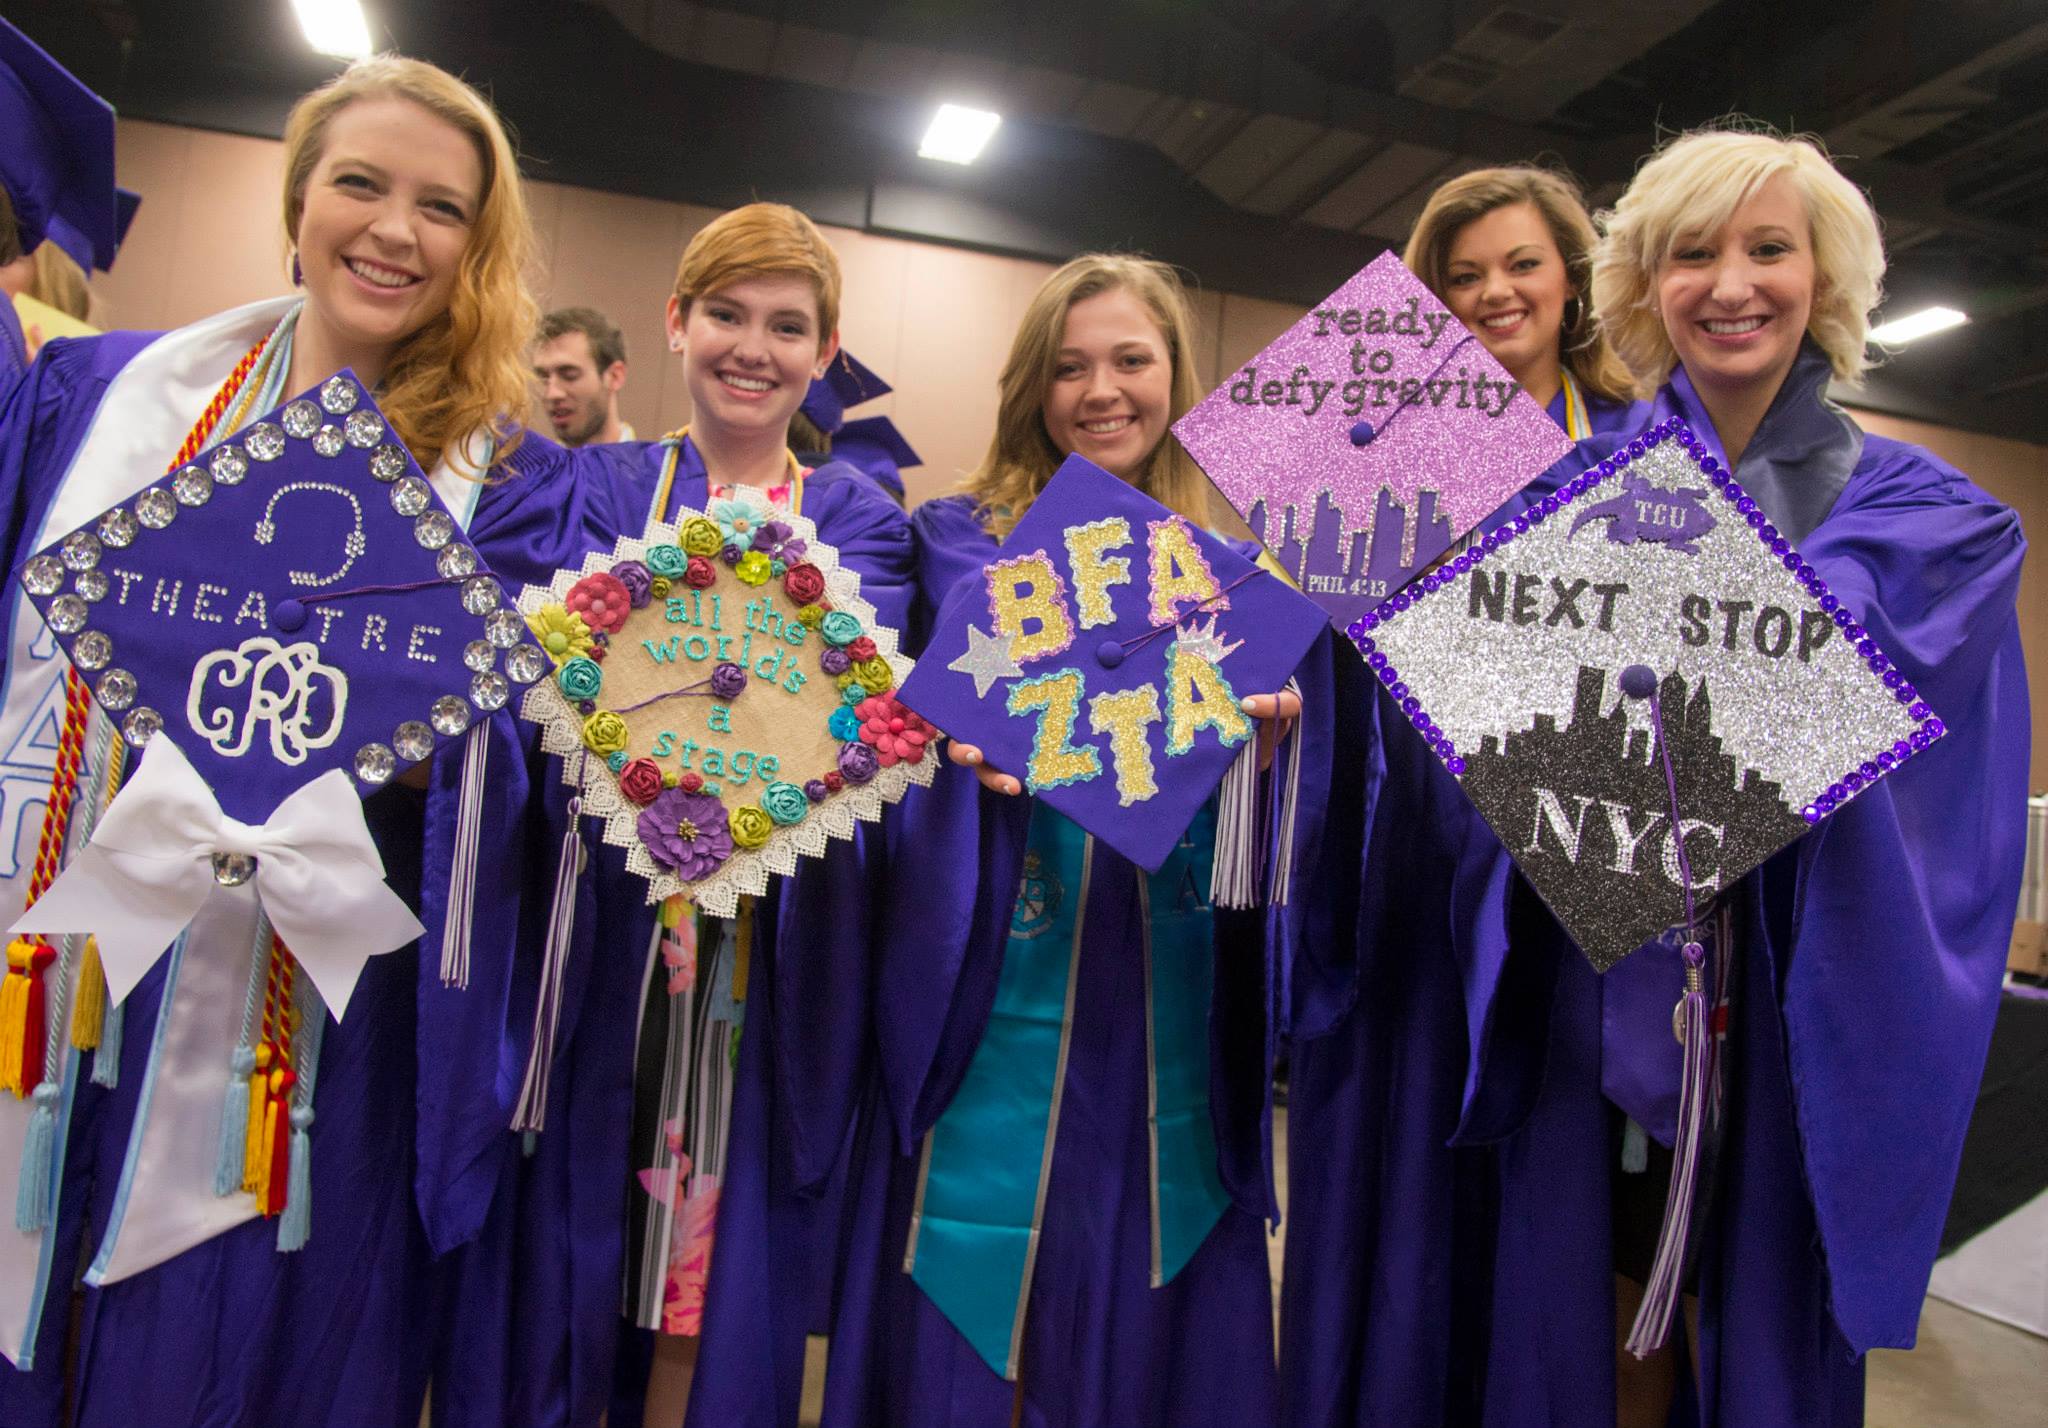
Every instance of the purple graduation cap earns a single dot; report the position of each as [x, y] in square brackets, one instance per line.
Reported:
[1644, 689]
[296, 600]
[1368, 437]
[79, 248]
[1102, 659]
[57, 161]
[846, 383]
[871, 444]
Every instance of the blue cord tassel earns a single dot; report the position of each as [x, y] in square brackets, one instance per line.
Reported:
[296, 1223]
[529, 1142]
[106, 1059]
[231, 1158]
[32, 1194]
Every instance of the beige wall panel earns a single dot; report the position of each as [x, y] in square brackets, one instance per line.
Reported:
[229, 244]
[151, 159]
[871, 304]
[1248, 325]
[959, 309]
[2016, 472]
[618, 254]
[675, 400]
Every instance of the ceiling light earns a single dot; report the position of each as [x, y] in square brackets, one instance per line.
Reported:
[334, 27]
[1911, 328]
[958, 135]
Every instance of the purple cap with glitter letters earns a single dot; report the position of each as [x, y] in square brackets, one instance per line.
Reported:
[1102, 657]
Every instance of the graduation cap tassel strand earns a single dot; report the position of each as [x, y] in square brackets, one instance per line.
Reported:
[531, 1111]
[33, 1193]
[1363, 432]
[1667, 1270]
[476, 755]
[231, 1160]
[295, 1225]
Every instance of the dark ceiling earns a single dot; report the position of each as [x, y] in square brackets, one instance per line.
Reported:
[1268, 146]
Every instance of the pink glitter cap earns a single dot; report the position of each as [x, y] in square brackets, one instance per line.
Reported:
[1368, 437]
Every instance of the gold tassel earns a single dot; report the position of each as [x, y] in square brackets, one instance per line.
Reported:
[254, 1161]
[743, 949]
[14, 1012]
[89, 999]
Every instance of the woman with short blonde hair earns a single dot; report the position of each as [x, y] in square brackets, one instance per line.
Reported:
[1851, 980]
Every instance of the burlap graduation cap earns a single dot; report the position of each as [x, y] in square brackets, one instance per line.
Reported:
[1644, 689]
[723, 698]
[1103, 657]
[1368, 437]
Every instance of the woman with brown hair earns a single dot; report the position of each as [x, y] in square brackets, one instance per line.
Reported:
[1131, 1295]
[1510, 252]
[407, 227]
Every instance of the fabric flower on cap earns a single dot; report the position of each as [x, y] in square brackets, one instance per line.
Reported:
[751, 826]
[805, 586]
[700, 536]
[754, 568]
[861, 649]
[874, 675]
[641, 780]
[844, 724]
[858, 763]
[561, 633]
[898, 735]
[604, 732]
[785, 803]
[686, 832]
[637, 579]
[700, 574]
[840, 628]
[669, 562]
[601, 600]
[728, 682]
[736, 521]
[580, 679]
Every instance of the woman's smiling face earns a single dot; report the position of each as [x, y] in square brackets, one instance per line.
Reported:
[1112, 383]
[751, 350]
[384, 222]
[1735, 302]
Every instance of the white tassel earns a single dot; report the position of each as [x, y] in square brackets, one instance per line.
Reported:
[1242, 839]
[530, 1113]
[1290, 805]
[455, 932]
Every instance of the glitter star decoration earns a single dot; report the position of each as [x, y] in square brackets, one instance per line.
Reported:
[986, 660]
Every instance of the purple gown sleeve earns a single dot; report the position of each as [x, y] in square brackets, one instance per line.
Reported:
[823, 954]
[472, 1042]
[1903, 901]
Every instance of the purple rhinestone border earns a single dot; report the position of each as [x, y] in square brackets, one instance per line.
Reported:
[1854, 781]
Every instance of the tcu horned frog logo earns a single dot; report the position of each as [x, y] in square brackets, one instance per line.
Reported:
[262, 684]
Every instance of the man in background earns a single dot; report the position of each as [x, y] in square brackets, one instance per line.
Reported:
[579, 365]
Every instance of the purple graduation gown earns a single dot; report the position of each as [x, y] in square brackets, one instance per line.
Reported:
[415, 1087]
[1452, 1144]
[536, 1321]
[1100, 1345]
[13, 347]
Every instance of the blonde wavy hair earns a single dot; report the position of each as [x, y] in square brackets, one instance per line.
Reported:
[1583, 348]
[1692, 185]
[464, 372]
[760, 240]
[1021, 456]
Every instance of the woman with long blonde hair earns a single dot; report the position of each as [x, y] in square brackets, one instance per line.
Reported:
[408, 237]
[1144, 1296]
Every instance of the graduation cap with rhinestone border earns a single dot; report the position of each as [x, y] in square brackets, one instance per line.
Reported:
[739, 612]
[294, 600]
[1804, 712]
